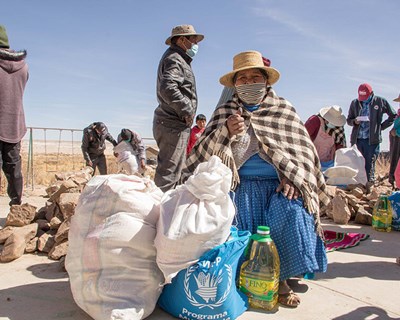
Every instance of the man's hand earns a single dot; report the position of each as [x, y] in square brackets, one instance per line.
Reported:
[143, 164]
[235, 123]
[189, 121]
[89, 163]
[288, 189]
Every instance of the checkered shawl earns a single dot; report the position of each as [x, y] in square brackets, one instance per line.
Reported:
[337, 133]
[284, 141]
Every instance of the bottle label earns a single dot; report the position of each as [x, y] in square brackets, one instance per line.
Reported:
[258, 289]
[380, 221]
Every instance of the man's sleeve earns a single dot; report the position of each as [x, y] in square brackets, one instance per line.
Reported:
[141, 148]
[171, 80]
[110, 138]
[85, 146]
[352, 114]
[390, 112]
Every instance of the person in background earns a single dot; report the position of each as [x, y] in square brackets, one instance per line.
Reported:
[276, 176]
[131, 152]
[177, 98]
[13, 78]
[94, 144]
[196, 132]
[394, 147]
[327, 133]
[365, 116]
[228, 92]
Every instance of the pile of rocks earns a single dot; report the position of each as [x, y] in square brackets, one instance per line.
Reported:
[28, 230]
[355, 202]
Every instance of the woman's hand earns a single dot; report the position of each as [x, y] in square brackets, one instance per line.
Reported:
[235, 123]
[288, 189]
[392, 132]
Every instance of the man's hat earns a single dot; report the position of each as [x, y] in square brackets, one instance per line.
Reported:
[334, 115]
[3, 38]
[183, 30]
[249, 60]
[364, 91]
[397, 99]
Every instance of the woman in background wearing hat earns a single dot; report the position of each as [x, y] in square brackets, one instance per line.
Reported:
[394, 148]
[327, 133]
[277, 179]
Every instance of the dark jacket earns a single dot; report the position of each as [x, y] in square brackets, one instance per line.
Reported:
[377, 108]
[93, 144]
[176, 89]
[13, 78]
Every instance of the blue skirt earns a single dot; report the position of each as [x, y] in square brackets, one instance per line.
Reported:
[300, 249]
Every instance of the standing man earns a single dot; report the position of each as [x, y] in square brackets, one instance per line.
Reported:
[13, 78]
[177, 104]
[365, 116]
[94, 144]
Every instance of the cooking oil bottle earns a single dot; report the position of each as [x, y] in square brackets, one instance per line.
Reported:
[259, 276]
[382, 214]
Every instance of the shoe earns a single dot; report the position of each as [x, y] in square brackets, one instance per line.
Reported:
[290, 299]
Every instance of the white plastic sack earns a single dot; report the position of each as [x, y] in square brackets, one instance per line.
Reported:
[111, 259]
[352, 157]
[126, 157]
[340, 181]
[194, 218]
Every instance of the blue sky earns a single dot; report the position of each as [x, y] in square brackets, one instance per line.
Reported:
[97, 60]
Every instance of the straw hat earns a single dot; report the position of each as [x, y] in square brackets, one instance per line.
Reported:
[249, 60]
[334, 115]
[183, 30]
[397, 99]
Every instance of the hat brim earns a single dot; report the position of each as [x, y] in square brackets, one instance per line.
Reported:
[200, 37]
[397, 99]
[273, 75]
[336, 121]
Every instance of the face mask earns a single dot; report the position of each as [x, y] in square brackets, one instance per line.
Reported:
[193, 50]
[252, 93]
[330, 126]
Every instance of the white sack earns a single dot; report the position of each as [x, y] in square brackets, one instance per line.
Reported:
[340, 171]
[340, 181]
[111, 259]
[352, 157]
[195, 217]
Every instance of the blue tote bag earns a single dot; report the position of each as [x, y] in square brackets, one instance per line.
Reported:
[208, 288]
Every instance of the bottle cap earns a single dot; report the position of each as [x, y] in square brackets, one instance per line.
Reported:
[263, 230]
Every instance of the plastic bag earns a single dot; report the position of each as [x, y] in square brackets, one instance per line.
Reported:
[207, 289]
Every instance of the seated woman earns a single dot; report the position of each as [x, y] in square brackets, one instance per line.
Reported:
[277, 179]
[327, 133]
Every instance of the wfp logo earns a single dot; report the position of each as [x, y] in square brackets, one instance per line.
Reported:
[205, 286]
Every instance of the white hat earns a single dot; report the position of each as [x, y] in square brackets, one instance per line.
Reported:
[334, 115]
[183, 30]
[397, 99]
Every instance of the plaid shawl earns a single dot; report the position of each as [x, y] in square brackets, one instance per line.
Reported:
[337, 133]
[284, 140]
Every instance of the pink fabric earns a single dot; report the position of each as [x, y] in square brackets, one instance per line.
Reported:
[397, 175]
[325, 145]
[340, 240]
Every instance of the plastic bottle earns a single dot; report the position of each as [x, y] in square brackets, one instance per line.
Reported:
[259, 276]
[382, 214]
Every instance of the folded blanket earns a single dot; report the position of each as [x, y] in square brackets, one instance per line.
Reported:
[341, 240]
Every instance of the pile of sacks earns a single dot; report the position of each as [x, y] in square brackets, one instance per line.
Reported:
[28, 230]
[128, 240]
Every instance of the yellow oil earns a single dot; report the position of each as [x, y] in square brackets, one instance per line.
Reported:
[382, 214]
[259, 276]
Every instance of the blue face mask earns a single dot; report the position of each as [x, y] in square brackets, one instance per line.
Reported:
[193, 50]
[330, 125]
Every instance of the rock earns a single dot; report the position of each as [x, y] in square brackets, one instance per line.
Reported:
[340, 211]
[62, 233]
[20, 215]
[46, 242]
[15, 245]
[43, 224]
[55, 223]
[67, 203]
[59, 250]
[363, 217]
[66, 187]
[330, 190]
[357, 192]
[5, 233]
[32, 245]
[50, 209]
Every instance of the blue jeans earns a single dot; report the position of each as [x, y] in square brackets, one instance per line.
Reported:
[370, 153]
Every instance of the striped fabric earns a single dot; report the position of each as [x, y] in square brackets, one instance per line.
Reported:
[284, 140]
